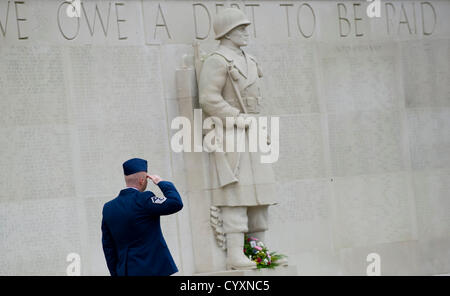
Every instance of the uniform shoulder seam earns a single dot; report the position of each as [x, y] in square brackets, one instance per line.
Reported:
[147, 193]
[228, 60]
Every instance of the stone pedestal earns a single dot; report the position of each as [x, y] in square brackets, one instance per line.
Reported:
[290, 270]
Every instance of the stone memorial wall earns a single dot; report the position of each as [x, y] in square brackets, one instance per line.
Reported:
[364, 107]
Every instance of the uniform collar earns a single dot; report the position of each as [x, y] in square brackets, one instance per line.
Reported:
[129, 190]
[230, 54]
[226, 52]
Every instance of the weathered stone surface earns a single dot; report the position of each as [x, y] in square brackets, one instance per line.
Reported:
[364, 106]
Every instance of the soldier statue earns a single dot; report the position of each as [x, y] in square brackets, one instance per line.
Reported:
[242, 186]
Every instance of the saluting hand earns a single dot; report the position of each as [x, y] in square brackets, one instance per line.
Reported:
[155, 178]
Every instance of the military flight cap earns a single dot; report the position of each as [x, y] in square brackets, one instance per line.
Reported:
[134, 165]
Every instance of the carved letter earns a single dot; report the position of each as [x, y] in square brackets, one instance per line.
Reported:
[59, 22]
[19, 20]
[388, 19]
[6, 21]
[287, 17]
[235, 5]
[195, 21]
[164, 24]
[96, 11]
[356, 19]
[217, 7]
[339, 5]
[414, 15]
[423, 18]
[406, 20]
[119, 20]
[298, 20]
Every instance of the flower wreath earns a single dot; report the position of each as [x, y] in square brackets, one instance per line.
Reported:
[256, 251]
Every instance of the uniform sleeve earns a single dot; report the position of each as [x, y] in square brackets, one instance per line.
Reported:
[169, 204]
[212, 80]
[109, 249]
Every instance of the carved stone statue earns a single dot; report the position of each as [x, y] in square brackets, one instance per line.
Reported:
[242, 186]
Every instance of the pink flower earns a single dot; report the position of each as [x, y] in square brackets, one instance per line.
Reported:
[258, 248]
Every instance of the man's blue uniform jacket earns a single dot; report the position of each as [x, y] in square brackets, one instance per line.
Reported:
[131, 232]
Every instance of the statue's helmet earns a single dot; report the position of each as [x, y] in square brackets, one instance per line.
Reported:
[227, 20]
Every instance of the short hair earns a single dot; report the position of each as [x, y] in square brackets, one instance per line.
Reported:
[133, 179]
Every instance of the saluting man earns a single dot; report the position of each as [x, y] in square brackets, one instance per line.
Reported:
[132, 239]
[242, 186]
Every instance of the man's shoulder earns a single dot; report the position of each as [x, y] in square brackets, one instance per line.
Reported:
[146, 194]
[108, 205]
[113, 201]
[142, 199]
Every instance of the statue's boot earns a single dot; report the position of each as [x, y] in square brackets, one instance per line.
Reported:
[235, 253]
[261, 236]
